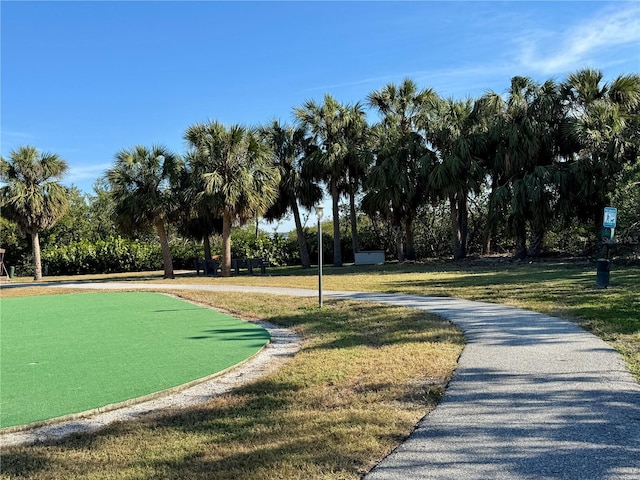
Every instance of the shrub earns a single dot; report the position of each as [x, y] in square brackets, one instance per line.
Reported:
[276, 248]
[115, 254]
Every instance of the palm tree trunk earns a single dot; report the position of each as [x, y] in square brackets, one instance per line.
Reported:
[521, 240]
[459, 225]
[337, 249]
[455, 227]
[305, 259]
[167, 261]
[409, 240]
[206, 244]
[354, 223]
[399, 244]
[398, 237]
[226, 244]
[489, 228]
[536, 241]
[37, 261]
[487, 242]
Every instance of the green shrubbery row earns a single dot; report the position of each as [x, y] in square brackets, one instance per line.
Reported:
[277, 249]
[114, 254]
[118, 254]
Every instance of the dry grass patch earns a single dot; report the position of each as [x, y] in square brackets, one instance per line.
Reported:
[31, 291]
[364, 377]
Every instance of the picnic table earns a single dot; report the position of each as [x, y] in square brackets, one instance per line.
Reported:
[208, 267]
[249, 264]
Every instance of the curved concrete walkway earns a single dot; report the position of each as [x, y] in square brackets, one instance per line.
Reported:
[533, 397]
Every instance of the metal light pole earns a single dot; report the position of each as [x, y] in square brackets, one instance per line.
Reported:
[319, 213]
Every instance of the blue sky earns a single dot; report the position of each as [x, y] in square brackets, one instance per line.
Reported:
[86, 79]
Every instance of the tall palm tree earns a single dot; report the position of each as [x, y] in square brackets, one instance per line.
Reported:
[31, 196]
[237, 171]
[142, 184]
[525, 134]
[197, 209]
[358, 162]
[398, 182]
[329, 124]
[457, 134]
[290, 146]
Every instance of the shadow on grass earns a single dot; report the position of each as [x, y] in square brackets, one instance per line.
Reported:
[23, 463]
[232, 334]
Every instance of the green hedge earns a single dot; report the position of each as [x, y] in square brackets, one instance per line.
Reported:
[277, 249]
[116, 254]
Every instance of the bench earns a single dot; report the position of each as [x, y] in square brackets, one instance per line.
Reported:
[208, 267]
[369, 257]
[249, 264]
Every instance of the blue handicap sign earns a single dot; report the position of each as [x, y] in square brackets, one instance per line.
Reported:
[610, 216]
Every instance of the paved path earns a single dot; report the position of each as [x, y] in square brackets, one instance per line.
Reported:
[533, 397]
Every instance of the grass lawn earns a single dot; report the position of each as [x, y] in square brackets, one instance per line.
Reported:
[63, 354]
[365, 375]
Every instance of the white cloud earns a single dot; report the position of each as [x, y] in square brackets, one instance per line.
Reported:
[520, 45]
[11, 134]
[379, 80]
[598, 40]
[12, 139]
[84, 176]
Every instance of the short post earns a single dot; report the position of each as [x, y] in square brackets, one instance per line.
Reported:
[319, 213]
[602, 273]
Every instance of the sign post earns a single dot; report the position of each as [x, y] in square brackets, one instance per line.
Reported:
[608, 231]
[609, 223]
[319, 214]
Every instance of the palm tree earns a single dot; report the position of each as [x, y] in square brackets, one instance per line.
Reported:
[397, 184]
[526, 137]
[197, 208]
[603, 127]
[142, 182]
[31, 196]
[237, 171]
[290, 146]
[358, 161]
[457, 134]
[329, 124]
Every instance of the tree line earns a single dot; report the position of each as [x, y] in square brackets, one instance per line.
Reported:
[540, 156]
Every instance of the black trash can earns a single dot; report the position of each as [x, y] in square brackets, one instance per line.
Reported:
[602, 275]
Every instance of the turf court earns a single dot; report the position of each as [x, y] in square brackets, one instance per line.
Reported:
[65, 354]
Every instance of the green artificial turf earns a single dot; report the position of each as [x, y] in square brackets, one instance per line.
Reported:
[63, 354]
